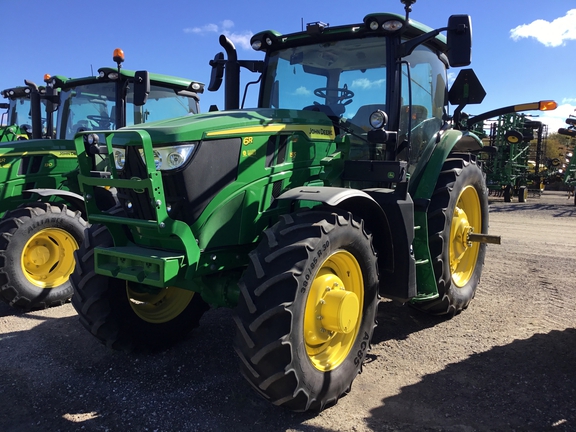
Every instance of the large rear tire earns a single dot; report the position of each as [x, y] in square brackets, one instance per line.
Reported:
[37, 245]
[459, 206]
[128, 317]
[307, 309]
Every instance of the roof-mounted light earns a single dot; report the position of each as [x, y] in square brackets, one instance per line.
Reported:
[263, 41]
[118, 56]
[47, 78]
[392, 25]
[113, 75]
[374, 25]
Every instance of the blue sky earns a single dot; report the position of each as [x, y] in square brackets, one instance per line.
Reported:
[523, 50]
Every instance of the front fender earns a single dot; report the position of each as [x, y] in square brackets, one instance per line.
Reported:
[76, 200]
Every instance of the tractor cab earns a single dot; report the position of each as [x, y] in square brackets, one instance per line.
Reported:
[17, 120]
[117, 97]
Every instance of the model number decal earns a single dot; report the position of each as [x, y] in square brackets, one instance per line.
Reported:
[309, 272]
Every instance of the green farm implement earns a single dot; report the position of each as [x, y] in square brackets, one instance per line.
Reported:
[517, 168]
[43, 212]
[348, 181]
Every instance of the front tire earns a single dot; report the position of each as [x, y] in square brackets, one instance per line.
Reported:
[129, 317]
[37, 245]
[307, 309]
[459, 205]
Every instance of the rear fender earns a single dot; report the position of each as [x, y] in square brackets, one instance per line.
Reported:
[422, 186]
[423, 180]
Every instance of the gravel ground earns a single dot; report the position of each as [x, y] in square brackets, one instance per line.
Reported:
[506, 363]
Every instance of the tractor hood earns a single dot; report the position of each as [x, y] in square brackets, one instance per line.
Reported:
[236, 123]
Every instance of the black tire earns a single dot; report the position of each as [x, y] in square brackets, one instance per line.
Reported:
[522, 194]
[37, 245]
[507, 193]
[459, 185]
[106, 306]
[280, 339]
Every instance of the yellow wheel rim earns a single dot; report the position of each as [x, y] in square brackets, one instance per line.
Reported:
[463, 253]
[48, 257]
[160, 307]
[333, 313]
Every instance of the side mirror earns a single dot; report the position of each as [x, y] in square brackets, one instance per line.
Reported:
[141, 87]
[459, 40]
[217, 72]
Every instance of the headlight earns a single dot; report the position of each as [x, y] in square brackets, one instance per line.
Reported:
[171, 158]
[119, 157]
[378, 119]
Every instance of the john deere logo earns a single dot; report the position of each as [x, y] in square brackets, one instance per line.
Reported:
[391, 174]
[137, 190]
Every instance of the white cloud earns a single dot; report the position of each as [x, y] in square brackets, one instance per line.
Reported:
[555, 119]
[551, 34]
[302, 91]
[241, 39]
[365, 83]
[208, 28]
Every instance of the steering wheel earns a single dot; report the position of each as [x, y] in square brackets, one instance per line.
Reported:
[344, 96]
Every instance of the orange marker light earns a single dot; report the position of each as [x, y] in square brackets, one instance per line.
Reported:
[47, 77]
[548, 105]
[118, 55]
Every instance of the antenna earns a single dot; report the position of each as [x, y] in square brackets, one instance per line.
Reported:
[408, 6]
[91, 71]
[302, 27]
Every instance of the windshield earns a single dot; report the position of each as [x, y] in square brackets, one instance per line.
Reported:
[19, 112]
[344, 78]
[92, 107]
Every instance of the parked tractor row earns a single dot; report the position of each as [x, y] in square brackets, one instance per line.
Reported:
[41, 203]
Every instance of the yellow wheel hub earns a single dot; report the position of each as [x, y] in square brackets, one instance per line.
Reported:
[333, 312]
[466, 220]
[160, 307]
[48, 257]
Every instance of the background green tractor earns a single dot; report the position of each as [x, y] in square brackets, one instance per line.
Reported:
[43, 213]
[19, 121]
[568, 167]
[348, 182]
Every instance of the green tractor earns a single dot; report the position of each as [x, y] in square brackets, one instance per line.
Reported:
[568, 167]
[43, 212]
[349, 182]
[20, 121]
